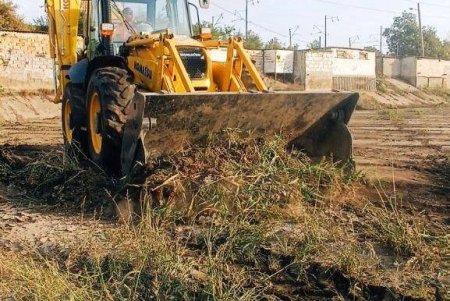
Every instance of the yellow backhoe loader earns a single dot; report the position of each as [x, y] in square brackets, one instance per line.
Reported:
[142, 84]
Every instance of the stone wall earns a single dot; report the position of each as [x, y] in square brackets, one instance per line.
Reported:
[25, 62]
[314, 70]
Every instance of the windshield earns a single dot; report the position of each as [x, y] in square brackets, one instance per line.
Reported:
[149, 16]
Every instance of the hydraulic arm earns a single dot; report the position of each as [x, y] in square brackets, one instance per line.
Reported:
[63, 19]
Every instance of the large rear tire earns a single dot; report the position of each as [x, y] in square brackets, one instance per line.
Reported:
[74, 121]
[110, 92]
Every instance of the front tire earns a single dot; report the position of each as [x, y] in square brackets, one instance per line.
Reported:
[110, 92]
[73, 120]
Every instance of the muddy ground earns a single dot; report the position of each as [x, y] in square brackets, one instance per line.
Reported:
[410, 149]
[406, 151]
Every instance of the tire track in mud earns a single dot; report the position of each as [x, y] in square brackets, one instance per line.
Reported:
[412, 147]
[38, 132]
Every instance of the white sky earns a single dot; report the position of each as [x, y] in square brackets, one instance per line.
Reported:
[358, 19]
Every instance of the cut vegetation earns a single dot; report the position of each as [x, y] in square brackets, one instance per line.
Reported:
[237, 219]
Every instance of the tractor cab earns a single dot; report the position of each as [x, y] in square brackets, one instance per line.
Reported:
[107, 24]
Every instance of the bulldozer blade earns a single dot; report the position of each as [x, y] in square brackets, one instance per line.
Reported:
[313, 122]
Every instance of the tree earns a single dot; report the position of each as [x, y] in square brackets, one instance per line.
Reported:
[275, 43]
[40, 24]
[403, 38]
[434, 46]
[315, 44]
[253, 41]
[446, 50]
[373, 49]
[9, 19]
[218, 32]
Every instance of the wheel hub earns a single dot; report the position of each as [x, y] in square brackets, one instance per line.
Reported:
[95, 132]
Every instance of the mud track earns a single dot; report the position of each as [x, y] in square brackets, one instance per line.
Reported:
[408, 150]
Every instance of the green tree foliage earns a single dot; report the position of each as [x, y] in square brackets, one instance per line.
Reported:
[40, 24]
[434, 46]
[446, 50]
[314, 44]
[218, 32]
[9, 19]
[275, 43]
[253, 41]
[373, 49]
[403, 38]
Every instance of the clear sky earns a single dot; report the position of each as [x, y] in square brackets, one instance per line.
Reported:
[359, 20]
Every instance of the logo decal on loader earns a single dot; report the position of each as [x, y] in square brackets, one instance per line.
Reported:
[143, 70]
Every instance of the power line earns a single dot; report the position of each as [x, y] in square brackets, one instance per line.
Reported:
[429, 4]
[374, 9]
[238, 15]
[357, 6]
[241, 18]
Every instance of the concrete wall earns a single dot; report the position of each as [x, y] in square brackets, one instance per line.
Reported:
[278, 61]
[314, 70]
[419, 72]
[336, 68]
[257, 58]
[409, 70]
[392, 67]
[354, 69]
[432, 73]
[25, 61]
[353, 63]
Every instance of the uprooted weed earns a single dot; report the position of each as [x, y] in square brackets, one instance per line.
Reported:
[234, 220]
[243, 178]
[54, 178]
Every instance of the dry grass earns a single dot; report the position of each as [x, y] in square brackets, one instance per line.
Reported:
[38, 92]
[394, 115]
[233, 220]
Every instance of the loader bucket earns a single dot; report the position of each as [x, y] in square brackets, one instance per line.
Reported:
[315, 123]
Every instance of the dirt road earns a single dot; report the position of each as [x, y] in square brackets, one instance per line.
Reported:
[408, 147]
[411, 145]
[410, 150]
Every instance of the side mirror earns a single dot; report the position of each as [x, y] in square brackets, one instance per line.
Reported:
[204, 3]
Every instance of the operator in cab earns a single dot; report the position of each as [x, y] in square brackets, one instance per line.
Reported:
[121, 30]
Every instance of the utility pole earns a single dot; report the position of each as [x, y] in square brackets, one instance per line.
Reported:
[351, 40]
[381, 39]
[246, 19]
[320, 41]
[326, 28]
[290, 38]
[292, 32]
[420, 28]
